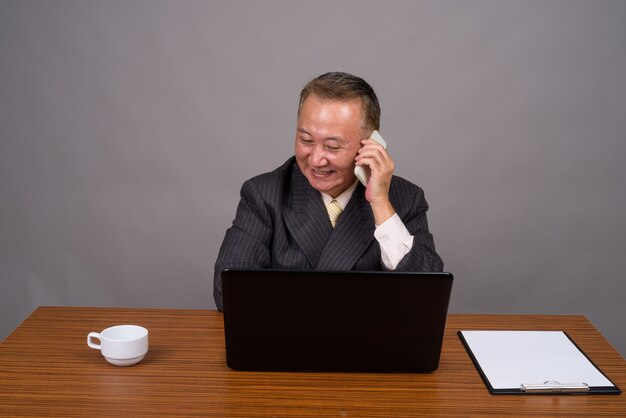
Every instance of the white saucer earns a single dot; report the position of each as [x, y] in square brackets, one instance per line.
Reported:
[124, 361]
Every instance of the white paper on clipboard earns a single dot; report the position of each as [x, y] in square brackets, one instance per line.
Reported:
[509, 359]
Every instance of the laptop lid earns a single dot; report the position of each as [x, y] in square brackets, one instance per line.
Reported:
[334, 321]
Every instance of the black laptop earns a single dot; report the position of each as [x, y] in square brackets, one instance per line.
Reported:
[334, 321]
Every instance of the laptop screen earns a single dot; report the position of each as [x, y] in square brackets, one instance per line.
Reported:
[334, 321]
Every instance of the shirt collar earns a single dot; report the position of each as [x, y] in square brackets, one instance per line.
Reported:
[343, 198]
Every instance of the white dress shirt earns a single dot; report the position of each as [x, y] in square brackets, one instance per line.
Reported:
[394, 239]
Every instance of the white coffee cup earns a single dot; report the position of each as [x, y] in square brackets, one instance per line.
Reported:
[122, 345]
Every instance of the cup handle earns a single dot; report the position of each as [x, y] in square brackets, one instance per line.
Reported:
[91, 344]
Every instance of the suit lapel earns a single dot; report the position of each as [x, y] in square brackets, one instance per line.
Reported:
[305, 216]
[352, 235]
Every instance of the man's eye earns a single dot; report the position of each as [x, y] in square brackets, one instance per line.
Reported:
[306, 141]
[333, 148]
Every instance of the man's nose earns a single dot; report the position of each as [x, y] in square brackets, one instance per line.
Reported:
[318, 156]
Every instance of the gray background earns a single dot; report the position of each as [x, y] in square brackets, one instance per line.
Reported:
[127, 128]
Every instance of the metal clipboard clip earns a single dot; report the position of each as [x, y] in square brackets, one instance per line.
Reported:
[552, 386]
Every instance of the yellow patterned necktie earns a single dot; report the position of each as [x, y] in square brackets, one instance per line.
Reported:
[334, 212]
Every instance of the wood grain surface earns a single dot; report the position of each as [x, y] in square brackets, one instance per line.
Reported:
[46, 369]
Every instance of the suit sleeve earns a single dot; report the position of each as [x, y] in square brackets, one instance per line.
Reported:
[422, 256]
[247, 242]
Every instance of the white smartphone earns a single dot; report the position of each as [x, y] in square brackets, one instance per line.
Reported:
[363, 173]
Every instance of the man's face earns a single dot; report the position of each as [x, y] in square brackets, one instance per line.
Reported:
[328, 138]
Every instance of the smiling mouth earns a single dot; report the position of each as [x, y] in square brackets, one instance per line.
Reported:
[321, 172]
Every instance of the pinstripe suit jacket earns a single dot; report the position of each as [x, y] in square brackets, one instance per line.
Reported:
[281, 223]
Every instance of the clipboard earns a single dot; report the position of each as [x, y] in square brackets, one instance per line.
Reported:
[534, 362]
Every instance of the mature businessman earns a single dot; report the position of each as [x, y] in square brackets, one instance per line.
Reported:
[313, 214]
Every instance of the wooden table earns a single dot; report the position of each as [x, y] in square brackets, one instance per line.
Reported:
[46, 369]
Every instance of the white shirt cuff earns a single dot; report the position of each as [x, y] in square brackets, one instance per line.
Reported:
[395, 241]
